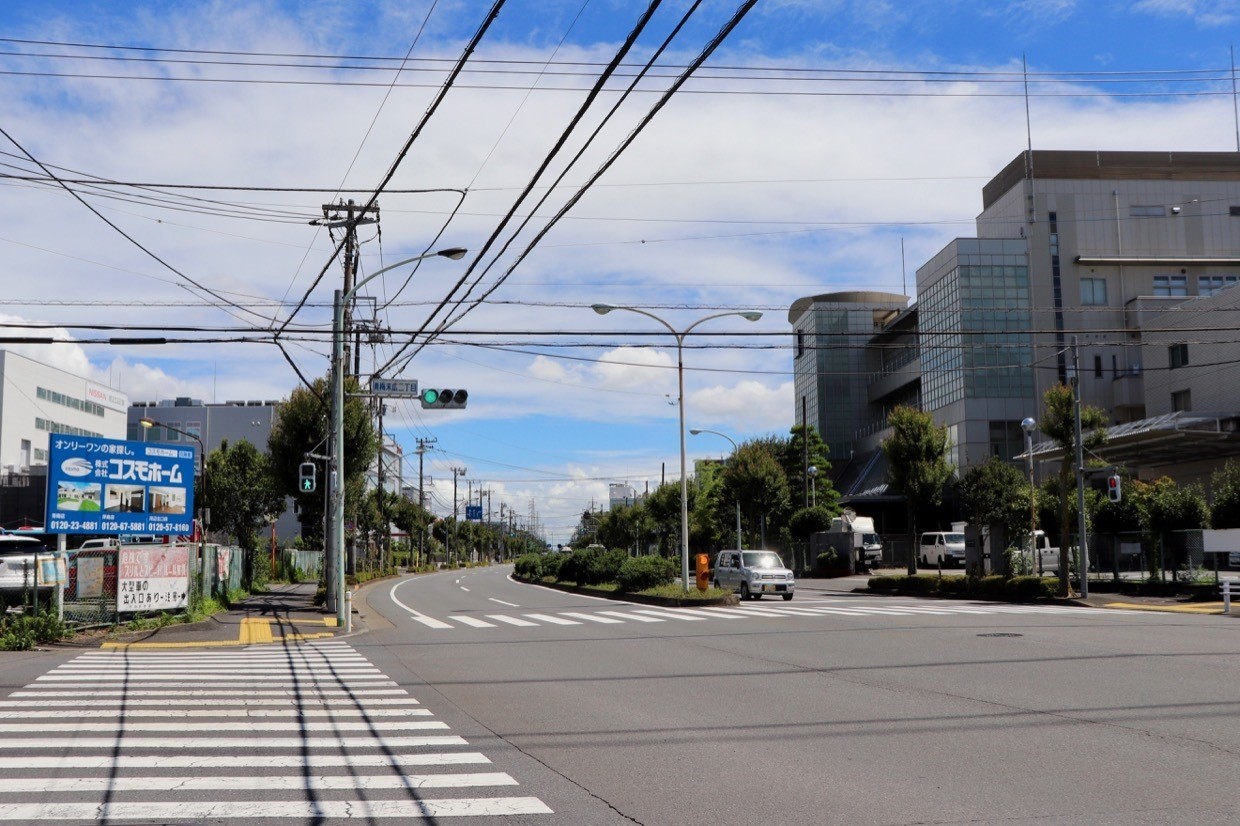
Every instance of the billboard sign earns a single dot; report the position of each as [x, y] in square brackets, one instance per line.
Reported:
[110, 486]
[473, 512]
[152, 578]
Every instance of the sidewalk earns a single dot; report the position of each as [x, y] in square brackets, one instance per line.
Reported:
[285, 613]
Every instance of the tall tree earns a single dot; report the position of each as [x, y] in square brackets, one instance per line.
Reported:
[300, 429]
[917, 465]
[1167, 507]
[1225, 486]
[755, 479]
[243, 495]
[1059, 422]
[996, 495]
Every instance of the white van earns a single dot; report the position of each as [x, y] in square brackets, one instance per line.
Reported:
[941, 547]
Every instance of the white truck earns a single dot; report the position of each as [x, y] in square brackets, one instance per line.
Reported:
[855, 534]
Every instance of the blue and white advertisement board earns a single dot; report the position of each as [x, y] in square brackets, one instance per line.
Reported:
[110, 486]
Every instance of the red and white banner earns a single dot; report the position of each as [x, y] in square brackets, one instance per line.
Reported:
[152, 578]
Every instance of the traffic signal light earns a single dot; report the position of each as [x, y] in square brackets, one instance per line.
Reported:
[306, 473]
[1113, 490]
[443, 399]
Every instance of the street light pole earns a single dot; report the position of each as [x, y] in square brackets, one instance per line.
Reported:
[148, 423]
[1028, 425]
[335, 546]
[748, 315]
[695, 432]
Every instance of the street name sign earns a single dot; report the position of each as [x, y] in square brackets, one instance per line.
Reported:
[397, 388]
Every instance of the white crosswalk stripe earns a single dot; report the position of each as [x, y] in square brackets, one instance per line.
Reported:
[309, 733]
[850, 608]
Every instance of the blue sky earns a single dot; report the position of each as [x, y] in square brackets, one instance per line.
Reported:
[819, 137]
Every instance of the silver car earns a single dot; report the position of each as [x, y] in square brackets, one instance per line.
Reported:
[17, 566]
[753, 573]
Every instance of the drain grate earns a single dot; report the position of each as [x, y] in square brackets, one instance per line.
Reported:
[1001, 634]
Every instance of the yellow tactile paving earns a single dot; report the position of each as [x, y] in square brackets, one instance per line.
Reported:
[254, 631]
[1194, 608]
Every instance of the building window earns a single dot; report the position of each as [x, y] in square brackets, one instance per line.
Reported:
[1147, 211]
[1171, 285]
[1178, 354]
[1097, 367]
[1182, 400]
[800, 344]
[1234, 211]
[1211, 284]
[1093, 292]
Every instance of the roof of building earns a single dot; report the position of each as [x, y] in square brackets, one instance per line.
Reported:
[1112, 166]
[1170, 439]
[860, 297]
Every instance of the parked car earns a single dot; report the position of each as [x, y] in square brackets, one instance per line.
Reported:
[17, 566]
[753, 573]
[946, 547]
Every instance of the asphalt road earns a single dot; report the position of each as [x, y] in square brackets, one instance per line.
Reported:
[850, 710]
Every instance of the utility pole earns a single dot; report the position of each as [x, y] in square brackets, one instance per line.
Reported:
[422, 445]
[457, 472]
[348, 215]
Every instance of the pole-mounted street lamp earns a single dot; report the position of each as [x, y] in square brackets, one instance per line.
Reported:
[1029, 425]
[695, 431]
[748, 315]
[148, 423]
[335, 545]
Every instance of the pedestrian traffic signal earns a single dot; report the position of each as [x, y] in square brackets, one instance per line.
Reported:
[306, 473]
[1113, 490]
[443, 399]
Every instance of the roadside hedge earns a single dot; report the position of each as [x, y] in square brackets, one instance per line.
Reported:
[1017, 588]
[641, 572]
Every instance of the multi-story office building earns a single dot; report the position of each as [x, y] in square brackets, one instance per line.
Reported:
[1132, 256]
[37, 400]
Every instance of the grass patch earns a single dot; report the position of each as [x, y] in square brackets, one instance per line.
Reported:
[675, 591]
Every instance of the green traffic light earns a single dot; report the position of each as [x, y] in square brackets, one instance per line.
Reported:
[430, 396]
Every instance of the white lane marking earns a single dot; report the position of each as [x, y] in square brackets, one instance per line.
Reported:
[160, 671]
[334, 713]
[728, 613]
[124, 725]
[666, 614]
[317, 811]
[171, 743]
[635, 617]
[229, 701]
[893, 612]
[552, 620]
[843, 612]
[307, 683]
[430, 621]
[763, 612]
[463, 588]
[501, 602]
[296, 693]
[510, 620]
[283, 761]
[594, 618]
[278, 783]
[474, 621]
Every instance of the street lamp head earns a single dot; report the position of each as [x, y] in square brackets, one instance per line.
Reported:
[455, 253]
[812, 470]
[751, 315]
[602, 309]
[694, 431]
[145, 422]
[1028, 424]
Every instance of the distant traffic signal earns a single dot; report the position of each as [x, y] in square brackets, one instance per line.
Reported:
[443, 399]
[307, 475]
[1113, 489]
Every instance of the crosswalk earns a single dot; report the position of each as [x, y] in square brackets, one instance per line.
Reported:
[312, 733]
[630, 613]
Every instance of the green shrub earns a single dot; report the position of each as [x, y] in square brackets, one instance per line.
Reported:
[591, 566]
[884, 584]
[528, 566]
[550, 565]
[919, 584]
[1031, 587]
[642, 572]
[21, 632]
[830, 558]
[991, 587]
[956, 586]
